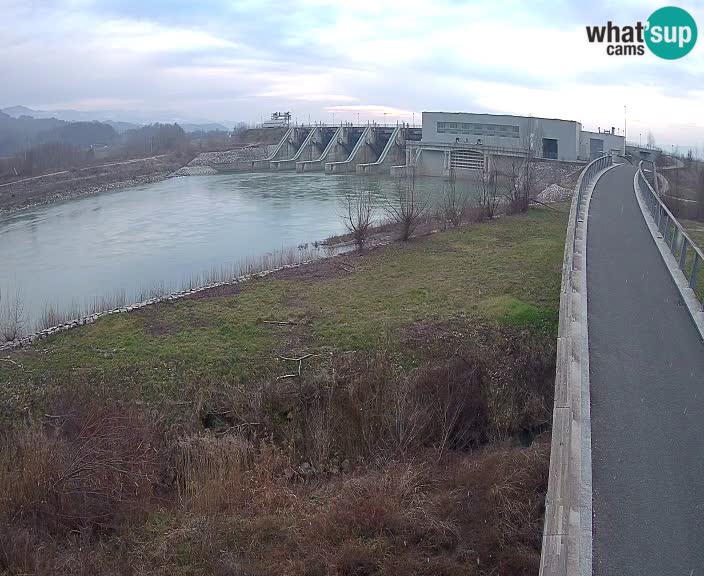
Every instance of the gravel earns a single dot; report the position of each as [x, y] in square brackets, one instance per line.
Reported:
[554, 193]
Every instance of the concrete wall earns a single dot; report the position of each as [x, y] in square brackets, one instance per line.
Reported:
[611, 142]
[501, 132]
[431, 162]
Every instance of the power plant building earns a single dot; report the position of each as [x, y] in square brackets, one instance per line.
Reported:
[465, 141]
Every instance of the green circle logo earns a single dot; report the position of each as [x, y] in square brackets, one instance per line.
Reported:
[670, 33]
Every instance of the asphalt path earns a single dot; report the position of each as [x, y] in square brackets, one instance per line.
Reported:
[647, 393]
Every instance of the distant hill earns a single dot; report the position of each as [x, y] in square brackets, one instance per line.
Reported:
[121, 121]
[24, 132]
[203, 127]
[21, 133]
[82, 134]
[122, 127]
[17, 111]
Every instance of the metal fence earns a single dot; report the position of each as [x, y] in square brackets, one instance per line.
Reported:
[587, 176]
[686, 252]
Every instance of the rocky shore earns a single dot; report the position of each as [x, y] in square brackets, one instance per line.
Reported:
[42, 190]
[203, 163]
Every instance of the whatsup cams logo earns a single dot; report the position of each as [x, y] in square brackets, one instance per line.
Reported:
[669, 33]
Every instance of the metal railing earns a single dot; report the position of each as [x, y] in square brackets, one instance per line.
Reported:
[585, 180]
[687, 254]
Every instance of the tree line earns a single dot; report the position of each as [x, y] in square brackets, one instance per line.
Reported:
[30, 147]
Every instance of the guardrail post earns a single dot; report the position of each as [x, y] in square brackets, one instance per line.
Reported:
[695, 272]
[683, 255]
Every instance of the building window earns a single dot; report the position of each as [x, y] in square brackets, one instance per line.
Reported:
[477, 129]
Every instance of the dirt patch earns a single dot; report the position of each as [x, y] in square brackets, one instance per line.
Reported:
[437, 336]
[226, 290]
[333, 267]
[158, 322]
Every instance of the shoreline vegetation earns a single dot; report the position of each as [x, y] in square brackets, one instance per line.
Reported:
[383, 412]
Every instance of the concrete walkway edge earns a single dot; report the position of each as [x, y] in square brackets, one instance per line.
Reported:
[567, 533]
[585, 566]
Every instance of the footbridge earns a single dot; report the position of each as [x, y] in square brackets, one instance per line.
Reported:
[626, 486]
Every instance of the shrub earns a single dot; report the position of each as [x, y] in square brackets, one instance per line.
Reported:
[85, 470]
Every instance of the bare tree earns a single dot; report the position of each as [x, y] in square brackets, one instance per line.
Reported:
[519, 175]
[489, 189]
[405, 207]
[12, 319]
[454, 201]
[651, 140]
[357, 214]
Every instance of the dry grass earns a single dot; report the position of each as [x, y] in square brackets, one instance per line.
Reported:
[360, 468]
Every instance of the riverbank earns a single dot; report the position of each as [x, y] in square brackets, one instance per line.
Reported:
[41, 190]
[327, 418]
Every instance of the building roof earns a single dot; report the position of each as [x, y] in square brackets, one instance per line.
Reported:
[499, 115]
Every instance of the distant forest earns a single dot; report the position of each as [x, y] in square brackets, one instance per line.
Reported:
[31, 146]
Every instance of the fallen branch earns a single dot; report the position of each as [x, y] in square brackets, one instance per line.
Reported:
[296, 359]
[300, 365]
[12, 362]
[278, 322]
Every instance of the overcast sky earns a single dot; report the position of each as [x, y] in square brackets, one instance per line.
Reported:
[381, 59]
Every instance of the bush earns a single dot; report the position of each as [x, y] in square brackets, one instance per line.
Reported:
[85, 470]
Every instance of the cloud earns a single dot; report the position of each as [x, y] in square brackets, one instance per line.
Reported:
[238, 60]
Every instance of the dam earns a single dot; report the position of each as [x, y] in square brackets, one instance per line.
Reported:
[343, 149]
[447, 143]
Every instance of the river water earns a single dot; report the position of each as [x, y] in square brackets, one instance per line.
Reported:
[68, 254]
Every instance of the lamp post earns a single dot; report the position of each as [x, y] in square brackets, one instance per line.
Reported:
[640, 135]
[625, 133]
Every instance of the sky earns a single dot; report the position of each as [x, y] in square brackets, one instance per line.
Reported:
[331, 61]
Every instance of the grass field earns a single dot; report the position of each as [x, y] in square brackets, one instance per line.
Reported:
[406, 439]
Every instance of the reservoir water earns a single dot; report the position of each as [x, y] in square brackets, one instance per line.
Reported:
[68, 254]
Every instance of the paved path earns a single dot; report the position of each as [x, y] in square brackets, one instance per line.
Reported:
[647, 392]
